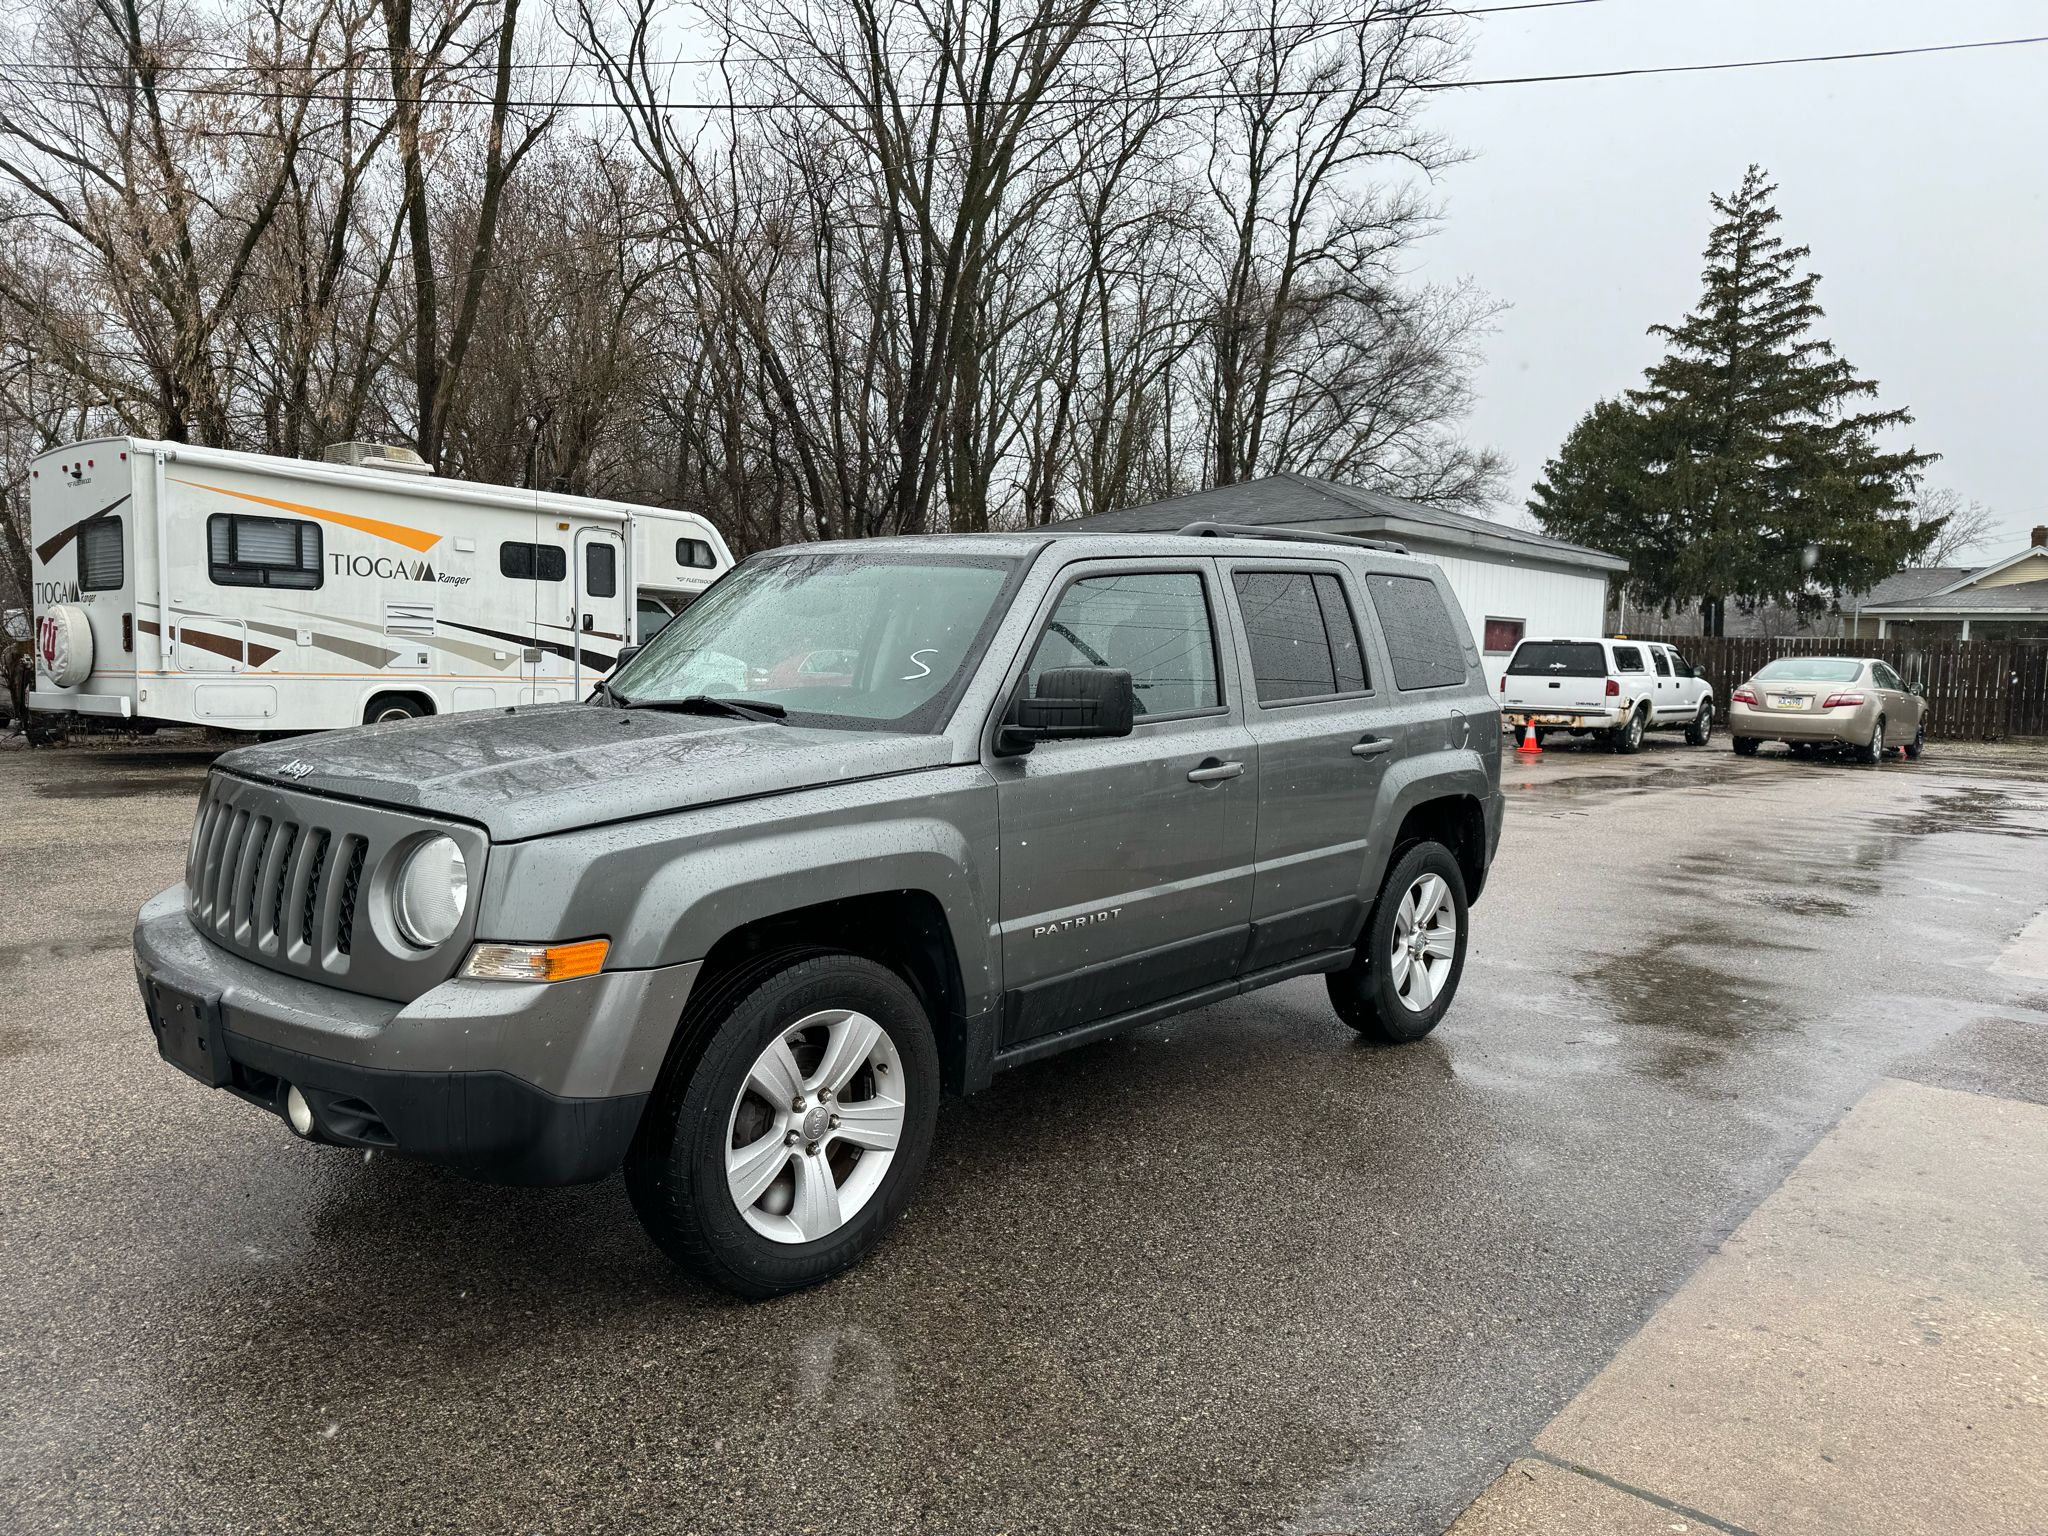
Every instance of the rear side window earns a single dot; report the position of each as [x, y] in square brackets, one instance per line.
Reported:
[1422, 642]
[101, 565]
[262, 551]
[601, 569]
[1663, 661]
[696, 554]
[1304, 641]
[1558, 658]
[532, 562]
[1153, 624]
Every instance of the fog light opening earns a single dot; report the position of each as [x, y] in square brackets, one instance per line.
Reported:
[298, 1113]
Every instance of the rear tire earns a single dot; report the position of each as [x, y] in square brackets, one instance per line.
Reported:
[1628, 737]
[1745, 746]
[1371, 994]
[689, 1161]
[386, 707]
[1701, 731]
[1873, 750]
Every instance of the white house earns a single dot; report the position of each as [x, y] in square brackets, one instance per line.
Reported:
[1511, 582]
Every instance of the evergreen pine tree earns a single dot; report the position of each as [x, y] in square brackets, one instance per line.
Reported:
[1747, 467]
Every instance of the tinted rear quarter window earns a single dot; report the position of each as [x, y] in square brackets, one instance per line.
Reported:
[1559, 658]
[1422, 642]
[1628, 658]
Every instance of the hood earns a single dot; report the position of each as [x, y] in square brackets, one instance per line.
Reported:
[529, 772]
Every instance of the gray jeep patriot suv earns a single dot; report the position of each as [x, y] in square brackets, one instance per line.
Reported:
[868, 822]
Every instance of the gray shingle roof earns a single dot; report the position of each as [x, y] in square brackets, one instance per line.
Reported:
[1278, 501]
[1915, 582]
[2018, 597]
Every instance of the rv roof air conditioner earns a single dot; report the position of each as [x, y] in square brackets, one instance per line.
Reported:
[377, 456]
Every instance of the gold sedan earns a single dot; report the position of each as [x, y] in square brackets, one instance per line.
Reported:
[1828, 701]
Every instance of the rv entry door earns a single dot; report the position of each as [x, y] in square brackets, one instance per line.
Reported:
[600, 616]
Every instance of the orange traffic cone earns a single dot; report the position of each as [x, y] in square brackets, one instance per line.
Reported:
[1530, 746]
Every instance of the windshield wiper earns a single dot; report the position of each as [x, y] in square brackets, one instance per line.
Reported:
[706, 704]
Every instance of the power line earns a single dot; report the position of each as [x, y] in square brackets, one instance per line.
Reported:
[1692, 69]
[1217, 97]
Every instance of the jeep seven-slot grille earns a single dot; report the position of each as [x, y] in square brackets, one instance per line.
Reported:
[276, 885]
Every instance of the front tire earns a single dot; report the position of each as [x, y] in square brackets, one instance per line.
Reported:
[1701, 731]
[1409, 961]
[1919, 742]
[779, 1152]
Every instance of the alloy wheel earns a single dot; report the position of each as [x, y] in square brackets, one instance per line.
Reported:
[815, 1126]
[1425, 942]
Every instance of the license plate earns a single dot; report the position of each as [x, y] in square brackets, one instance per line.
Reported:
[188, 1032]
[1787, 701]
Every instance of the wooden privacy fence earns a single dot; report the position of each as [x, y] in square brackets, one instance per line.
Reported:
[1980, 690]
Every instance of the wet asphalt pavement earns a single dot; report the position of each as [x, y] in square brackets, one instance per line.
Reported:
[1232, 1272]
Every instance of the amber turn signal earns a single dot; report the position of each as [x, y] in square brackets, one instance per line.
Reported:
[536, 962]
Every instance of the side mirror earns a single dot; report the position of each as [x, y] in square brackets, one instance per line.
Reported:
[625, 656]
[1071, 702]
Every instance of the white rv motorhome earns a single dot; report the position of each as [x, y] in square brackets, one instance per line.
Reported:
[201, 586]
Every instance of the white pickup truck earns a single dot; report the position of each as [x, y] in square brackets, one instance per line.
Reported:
[1617, 688]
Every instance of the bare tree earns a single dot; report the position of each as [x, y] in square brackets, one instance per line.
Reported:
[1965, 526]
[1316, 358]
[161, 192]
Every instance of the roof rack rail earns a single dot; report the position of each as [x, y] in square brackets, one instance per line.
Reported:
[1211, 530]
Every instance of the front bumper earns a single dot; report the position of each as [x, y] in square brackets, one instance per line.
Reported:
[1848, 727]
[518, 1083]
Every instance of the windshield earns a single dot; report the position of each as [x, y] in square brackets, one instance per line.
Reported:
[838, 638]
[1559, 658]
[1810, 669]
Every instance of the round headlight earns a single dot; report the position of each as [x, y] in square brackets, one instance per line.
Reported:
[433, 888]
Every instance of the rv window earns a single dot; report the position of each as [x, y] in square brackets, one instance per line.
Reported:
[262, 551]
[532, 562]
[601, 569]
[100, 565]
[696, 554]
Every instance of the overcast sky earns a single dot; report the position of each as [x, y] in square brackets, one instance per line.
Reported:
[1918, 182]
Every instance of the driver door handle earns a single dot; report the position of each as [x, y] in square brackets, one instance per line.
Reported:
[1213, 772]
[1372, 746]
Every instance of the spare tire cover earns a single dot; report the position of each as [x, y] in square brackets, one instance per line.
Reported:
[64, 644]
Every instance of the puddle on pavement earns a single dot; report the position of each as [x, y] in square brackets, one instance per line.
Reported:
[1804, 904]
[1972, 809]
